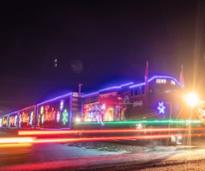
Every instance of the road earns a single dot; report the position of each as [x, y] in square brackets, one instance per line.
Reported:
[96, 156]
[61, 156]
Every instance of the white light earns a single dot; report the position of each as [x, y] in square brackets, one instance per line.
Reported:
[161, 81]
[58, 117]
[31, 118]
[77, 120]
[15, 120]
[103, 107]
[173, 82]
[0, 122]
[139, 126]
[61, 105]
[192, 99]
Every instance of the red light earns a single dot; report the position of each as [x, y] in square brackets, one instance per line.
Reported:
[57, 132]
[89, 139]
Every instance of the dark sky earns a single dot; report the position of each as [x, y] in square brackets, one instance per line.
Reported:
[95, 42]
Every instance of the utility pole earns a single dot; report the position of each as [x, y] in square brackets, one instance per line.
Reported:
[79, 88]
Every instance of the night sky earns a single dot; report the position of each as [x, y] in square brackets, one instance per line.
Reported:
[96, 43]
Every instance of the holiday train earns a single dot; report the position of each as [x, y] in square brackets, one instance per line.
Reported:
[158, 98]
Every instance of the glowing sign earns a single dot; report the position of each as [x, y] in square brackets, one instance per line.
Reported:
[161, 108]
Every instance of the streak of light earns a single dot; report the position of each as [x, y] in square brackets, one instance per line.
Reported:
[14, 145]
[94, 139]
[113, 138]
[16, 140]
[93, 131]
[146, 122]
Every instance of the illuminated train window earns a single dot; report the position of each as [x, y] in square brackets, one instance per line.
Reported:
[161, 81]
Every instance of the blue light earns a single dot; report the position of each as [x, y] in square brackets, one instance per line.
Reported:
[107, 89]
[155, 77]
[56, 98]
[161, 108]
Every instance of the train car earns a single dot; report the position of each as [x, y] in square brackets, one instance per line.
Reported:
[27, 117]
[24, 118]
[58, 112]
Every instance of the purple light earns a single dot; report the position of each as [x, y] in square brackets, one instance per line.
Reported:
[137, 85]
[155, 77]
[107, 89]
[18, 111]
[55, 98]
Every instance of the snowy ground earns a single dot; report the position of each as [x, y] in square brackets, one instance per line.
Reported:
[104, 156]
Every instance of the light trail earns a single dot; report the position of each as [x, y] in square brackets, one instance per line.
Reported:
[145, 122]
[10, 140]
[94, 131]
[94, 139]
[14, 145]
[6, 142]
[114, 138]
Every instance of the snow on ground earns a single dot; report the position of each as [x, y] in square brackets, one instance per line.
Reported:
[188, 166]
[104, 156]
[125, 147]
[150, 158]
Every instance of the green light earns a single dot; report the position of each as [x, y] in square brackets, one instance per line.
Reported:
[65, 117]
[145, 122]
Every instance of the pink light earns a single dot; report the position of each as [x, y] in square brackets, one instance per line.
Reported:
[114, 138]
[60, 132]
[94, 139]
